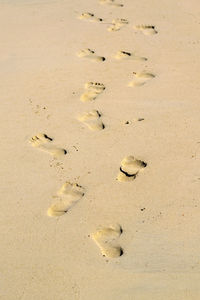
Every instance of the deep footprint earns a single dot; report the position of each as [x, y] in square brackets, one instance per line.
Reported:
[105, 239]
[69, 195]
[146, 29]
[111, 2]
[44, 143]
[90, 54]
[117, 24]
[92, 120]
[93, 89]
[89, 17]
[130, 168]
[128, 55]
[140, 78]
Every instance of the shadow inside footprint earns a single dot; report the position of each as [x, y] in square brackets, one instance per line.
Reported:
[129, 169]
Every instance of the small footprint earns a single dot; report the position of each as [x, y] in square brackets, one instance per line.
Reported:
[44, 143]
[128, 55]
[70, 194]
[140, 78]
[105, 239]
[111, 2]
[117, 24]
[89, 17]
[92, 120]
[88, 53]
[129, 169]
[146, 29]
[93, 89]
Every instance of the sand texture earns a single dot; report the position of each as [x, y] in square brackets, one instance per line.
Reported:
[100, 150]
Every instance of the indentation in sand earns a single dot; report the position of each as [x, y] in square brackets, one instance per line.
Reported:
[129, 169]
[117, 24]
[128, 55]
[105, 239]
[111, 2]
[90, 54]
[93, 89]
[140, 78]
[146, 29]
[70, 194]
[89, 17]
[44, 143]
[92, 120]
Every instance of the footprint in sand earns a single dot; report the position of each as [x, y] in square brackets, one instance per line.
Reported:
[105, 239]
[117, 24]
[146, 29]
[140, 78]
[69, 195]
[90, 54]
[92, 120]
[128, 55]
[111, 2]
[93, 89]
[89, 17]
[44, 143]
[129, 169]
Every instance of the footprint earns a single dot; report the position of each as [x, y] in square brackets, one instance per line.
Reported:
[105, 239]
[146, 29]
[89, 17]
[92, 120]
[129, 169]
[111, 2]
[70, 194]
[140, 78]
[128, 55]
[88, 53]
[93, 89]
[44, 143]
[117, 24]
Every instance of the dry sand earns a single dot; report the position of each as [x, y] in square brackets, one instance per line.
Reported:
[53, 238]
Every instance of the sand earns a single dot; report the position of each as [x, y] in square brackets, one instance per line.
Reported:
[100, 150]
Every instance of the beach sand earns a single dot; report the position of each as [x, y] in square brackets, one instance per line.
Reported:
[126, 224]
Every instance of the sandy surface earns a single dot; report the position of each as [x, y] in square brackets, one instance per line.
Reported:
[41, 82]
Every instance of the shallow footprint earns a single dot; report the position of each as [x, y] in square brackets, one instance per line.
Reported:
[92, 120]
[105, 239]
[89, 17]
[111, 2]
[93, 89]
[129, 169]
[140, 78]
[90, 54]
[44, 143]
[70, 194]
[146, 29]
[117, 24]
[128, 55]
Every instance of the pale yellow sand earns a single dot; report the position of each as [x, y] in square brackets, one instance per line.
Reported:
[42, 80]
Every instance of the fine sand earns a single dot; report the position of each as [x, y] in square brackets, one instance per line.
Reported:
[100, 144]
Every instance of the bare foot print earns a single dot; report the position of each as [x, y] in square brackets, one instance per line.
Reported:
[89, 17]
[92, 120]
[93, 89]
[111, 2]
[129, 169]
[117, 24]
[105, 239]
[128, 55]
[90, 54]
[140, 78]
[146, 29]
[70, 194]
[44, 143]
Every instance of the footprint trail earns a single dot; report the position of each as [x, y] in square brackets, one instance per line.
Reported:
[93, 89]
[90, 54]
[130, 168]
[105, 239]
[92, 120]
[146, 29]
[121, 55]
[89, 17]
[111, 2]
[117, 24]
[140, 78]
